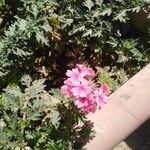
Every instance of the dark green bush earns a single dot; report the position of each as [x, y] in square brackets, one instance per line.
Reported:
[32, 118]
[40, 34]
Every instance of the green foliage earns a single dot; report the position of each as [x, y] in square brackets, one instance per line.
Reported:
[2, 3]
[26, 34]
[31, 118]
[90, 25]
[104, 77]
[43, 37]
[99, 24]
[111, 76]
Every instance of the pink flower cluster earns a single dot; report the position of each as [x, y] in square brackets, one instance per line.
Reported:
[81, 86]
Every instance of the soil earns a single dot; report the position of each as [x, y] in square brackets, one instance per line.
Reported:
[139, 140]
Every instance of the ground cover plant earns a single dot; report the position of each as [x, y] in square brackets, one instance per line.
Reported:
[39, 41]
[32, 118]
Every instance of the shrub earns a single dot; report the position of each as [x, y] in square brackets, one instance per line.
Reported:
[32, 118]
[91, 29]
[42, 38]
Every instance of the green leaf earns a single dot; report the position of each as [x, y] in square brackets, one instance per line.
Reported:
[99, 2]
[26, 80]
[122, 16]
[107, 12]
[89, 4]
[136, 9]
[79, 29]
[38, 103]
[36, 88]
[54, 118]
[21, 52]
[87, 33]
[40, 38]
[22, 24]
[12, 102]
[104, 78]
[34, 10]
[34, 115]
[97, 34]
[47, 27]
[2, 3]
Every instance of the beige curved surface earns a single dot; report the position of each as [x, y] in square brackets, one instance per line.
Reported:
[127, 109]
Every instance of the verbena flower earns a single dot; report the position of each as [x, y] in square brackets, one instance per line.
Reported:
[81, 86]
[87, 71]
[81, 90]
[75, 74]
[106, 89]
[100, 97]
[66, 89]
[86, 104]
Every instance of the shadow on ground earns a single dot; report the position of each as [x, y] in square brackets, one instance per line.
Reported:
[140, 139]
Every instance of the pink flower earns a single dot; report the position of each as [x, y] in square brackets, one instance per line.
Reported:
[66, 90]
[68, 82]
[81, 102]
[75, 74]
[100, 97]
[87, 71]
[71, 82]
[90, 72]
[81, 67]
[80, 86]
[106, 89]
[82, 90]
[85, 104]
[90, 108]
